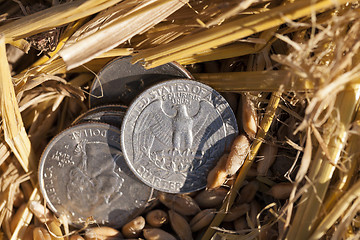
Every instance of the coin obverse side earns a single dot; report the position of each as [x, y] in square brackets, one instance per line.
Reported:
[174, 133]
[120, 81]
[83, 175]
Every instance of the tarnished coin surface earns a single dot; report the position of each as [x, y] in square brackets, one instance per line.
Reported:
[174, 133]
[83, 175]
[119, 82]
[110, 114]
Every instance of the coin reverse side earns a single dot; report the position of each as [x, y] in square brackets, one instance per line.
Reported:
[83, 175]
[120, 81]
[174, 133]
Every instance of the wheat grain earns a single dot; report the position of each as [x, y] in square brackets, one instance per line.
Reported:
[156, 218]
[133, 228]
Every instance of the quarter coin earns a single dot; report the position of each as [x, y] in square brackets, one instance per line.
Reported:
[174, 133]
[83, 175]
[120, 81]
[110, 114]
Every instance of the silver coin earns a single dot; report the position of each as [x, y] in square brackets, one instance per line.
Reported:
[174, 133]
[120, 81]
[110, 114]
[83, 175]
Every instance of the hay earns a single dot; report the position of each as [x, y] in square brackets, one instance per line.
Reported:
[299, 59]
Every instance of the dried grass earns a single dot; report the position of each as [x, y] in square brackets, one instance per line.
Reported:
[332, 108]
[307, 49]
[120, 27]
[14, 132]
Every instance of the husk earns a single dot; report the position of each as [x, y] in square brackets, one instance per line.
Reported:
[118, 30]
[52, 17]
[14, 132]
[232, 31]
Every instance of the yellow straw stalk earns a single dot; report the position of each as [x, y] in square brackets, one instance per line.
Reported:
[343, 200]
[14, 131]
[232, 31]
[52, 17]
[322, 169]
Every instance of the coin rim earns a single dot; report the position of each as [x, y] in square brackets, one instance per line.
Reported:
[173, 64]
[102, 108]
[46, 151]
[130, 108]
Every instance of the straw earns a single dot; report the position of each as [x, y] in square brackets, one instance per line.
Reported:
[14, 131]
[314, 43]
[140, 19]
[52, 17]
[321, 169]
[232, 31]
[266, 81]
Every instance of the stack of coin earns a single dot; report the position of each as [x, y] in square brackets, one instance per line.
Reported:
[110, 114]
[172, 134]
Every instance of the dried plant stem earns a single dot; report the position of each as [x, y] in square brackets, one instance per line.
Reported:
[53, 17]
[351, 154]
[339, 209]
[14, 131]
[321, 172]
[58, 65]
[55, 67]
[229, 32]
[143, 17]
[21, 44]
[229, 51]
[335, 204]
[253, 81]
[230, 198]
[233, 50]
[116, 52]
[241, 6]
[4, 152]
[81, 79]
